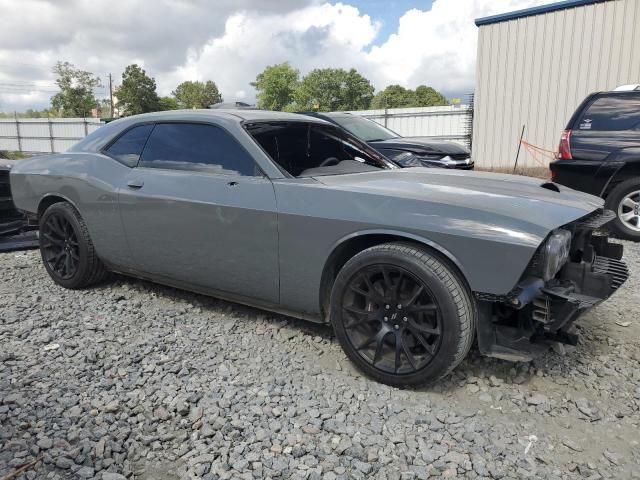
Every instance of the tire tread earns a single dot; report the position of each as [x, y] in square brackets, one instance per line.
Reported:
[454, 284]
[95, 271]
[614, 197]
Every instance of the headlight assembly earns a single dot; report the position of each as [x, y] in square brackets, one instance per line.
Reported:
[555, 253]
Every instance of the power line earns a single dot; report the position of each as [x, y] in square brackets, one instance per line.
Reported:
[8, 87]
[28, 84]
[25, 91]
[25, 64]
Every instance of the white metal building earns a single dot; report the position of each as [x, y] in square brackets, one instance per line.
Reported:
[535, 66]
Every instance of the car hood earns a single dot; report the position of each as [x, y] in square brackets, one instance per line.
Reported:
[496, 199]
[420, 145]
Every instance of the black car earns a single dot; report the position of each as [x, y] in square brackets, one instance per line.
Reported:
[599, 153]
[11, 221]
[405, 151]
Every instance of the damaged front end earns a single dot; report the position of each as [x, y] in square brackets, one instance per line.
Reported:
[549, 298]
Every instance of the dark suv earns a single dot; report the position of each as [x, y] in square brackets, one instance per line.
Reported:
[599, 153]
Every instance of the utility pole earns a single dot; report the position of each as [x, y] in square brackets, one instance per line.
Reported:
[111, 95]
[15, 115]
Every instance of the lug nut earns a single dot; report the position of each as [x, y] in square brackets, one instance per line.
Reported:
[386, 318]
[387, 307]
[396, 327]
[404, 319]
[399, 307]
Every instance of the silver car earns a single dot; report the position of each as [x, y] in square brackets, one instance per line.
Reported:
[291, 214]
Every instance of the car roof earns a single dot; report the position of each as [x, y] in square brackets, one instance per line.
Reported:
[634, 87]
[619, 92]
[102, 136]
[327, 114]
[240, 114]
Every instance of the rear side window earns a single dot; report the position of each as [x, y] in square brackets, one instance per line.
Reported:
[128, 147]
[196, 147]
[610, 113]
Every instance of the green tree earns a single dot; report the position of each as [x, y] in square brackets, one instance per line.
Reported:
[331, 89]
[197, 94]
[168, 103]
[394, 96]
[76, 98]
[429, 97]
[358, 91]
[276, 86]
[137, 93]
[104, 108]
[30, 113]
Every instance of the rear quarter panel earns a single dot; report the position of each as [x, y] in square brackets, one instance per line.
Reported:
[89, 182]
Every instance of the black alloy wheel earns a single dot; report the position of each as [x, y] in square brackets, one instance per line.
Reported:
[66, 248]
[60, 247]
[393, 321]
[402, 314]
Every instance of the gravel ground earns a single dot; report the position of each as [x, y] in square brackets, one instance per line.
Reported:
[136, 380]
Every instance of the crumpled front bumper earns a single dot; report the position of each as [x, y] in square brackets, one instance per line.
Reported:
[525, 324]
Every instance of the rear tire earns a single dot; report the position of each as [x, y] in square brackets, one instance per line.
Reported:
[66, 248]
[624, 200]
[402, 314]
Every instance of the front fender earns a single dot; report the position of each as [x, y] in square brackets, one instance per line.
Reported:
[392, 233]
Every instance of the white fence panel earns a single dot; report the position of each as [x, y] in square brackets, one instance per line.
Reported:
[58, 134]
[441, 123]
[44, 135]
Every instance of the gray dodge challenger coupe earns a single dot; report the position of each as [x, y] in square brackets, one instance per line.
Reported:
[291, 214]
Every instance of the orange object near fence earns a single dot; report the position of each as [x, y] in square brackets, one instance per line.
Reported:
[538, 153]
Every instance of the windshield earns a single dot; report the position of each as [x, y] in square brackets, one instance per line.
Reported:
[364, 129]
[309, 149]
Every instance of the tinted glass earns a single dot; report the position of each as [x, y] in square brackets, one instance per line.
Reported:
[614, 112]
[204, 148]
[301, 149]
[129, 146]
[364, 129]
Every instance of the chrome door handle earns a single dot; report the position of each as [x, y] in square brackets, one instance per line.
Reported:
[135, 183]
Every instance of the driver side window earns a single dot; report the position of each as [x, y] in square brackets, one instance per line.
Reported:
[303, 148]
[324, 146]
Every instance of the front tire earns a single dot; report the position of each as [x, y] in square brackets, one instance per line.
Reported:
[66, 248]
[402, 314]
[624, 200]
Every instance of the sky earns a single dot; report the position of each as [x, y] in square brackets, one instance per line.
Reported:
[404, 42]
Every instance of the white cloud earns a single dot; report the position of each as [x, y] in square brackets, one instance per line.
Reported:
[316, 36]
[437, 47]
[105, 36]
[231, 41]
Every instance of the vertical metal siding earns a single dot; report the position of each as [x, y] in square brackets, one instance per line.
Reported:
[536, 70]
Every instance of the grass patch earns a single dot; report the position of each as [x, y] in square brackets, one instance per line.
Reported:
[12, 155]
